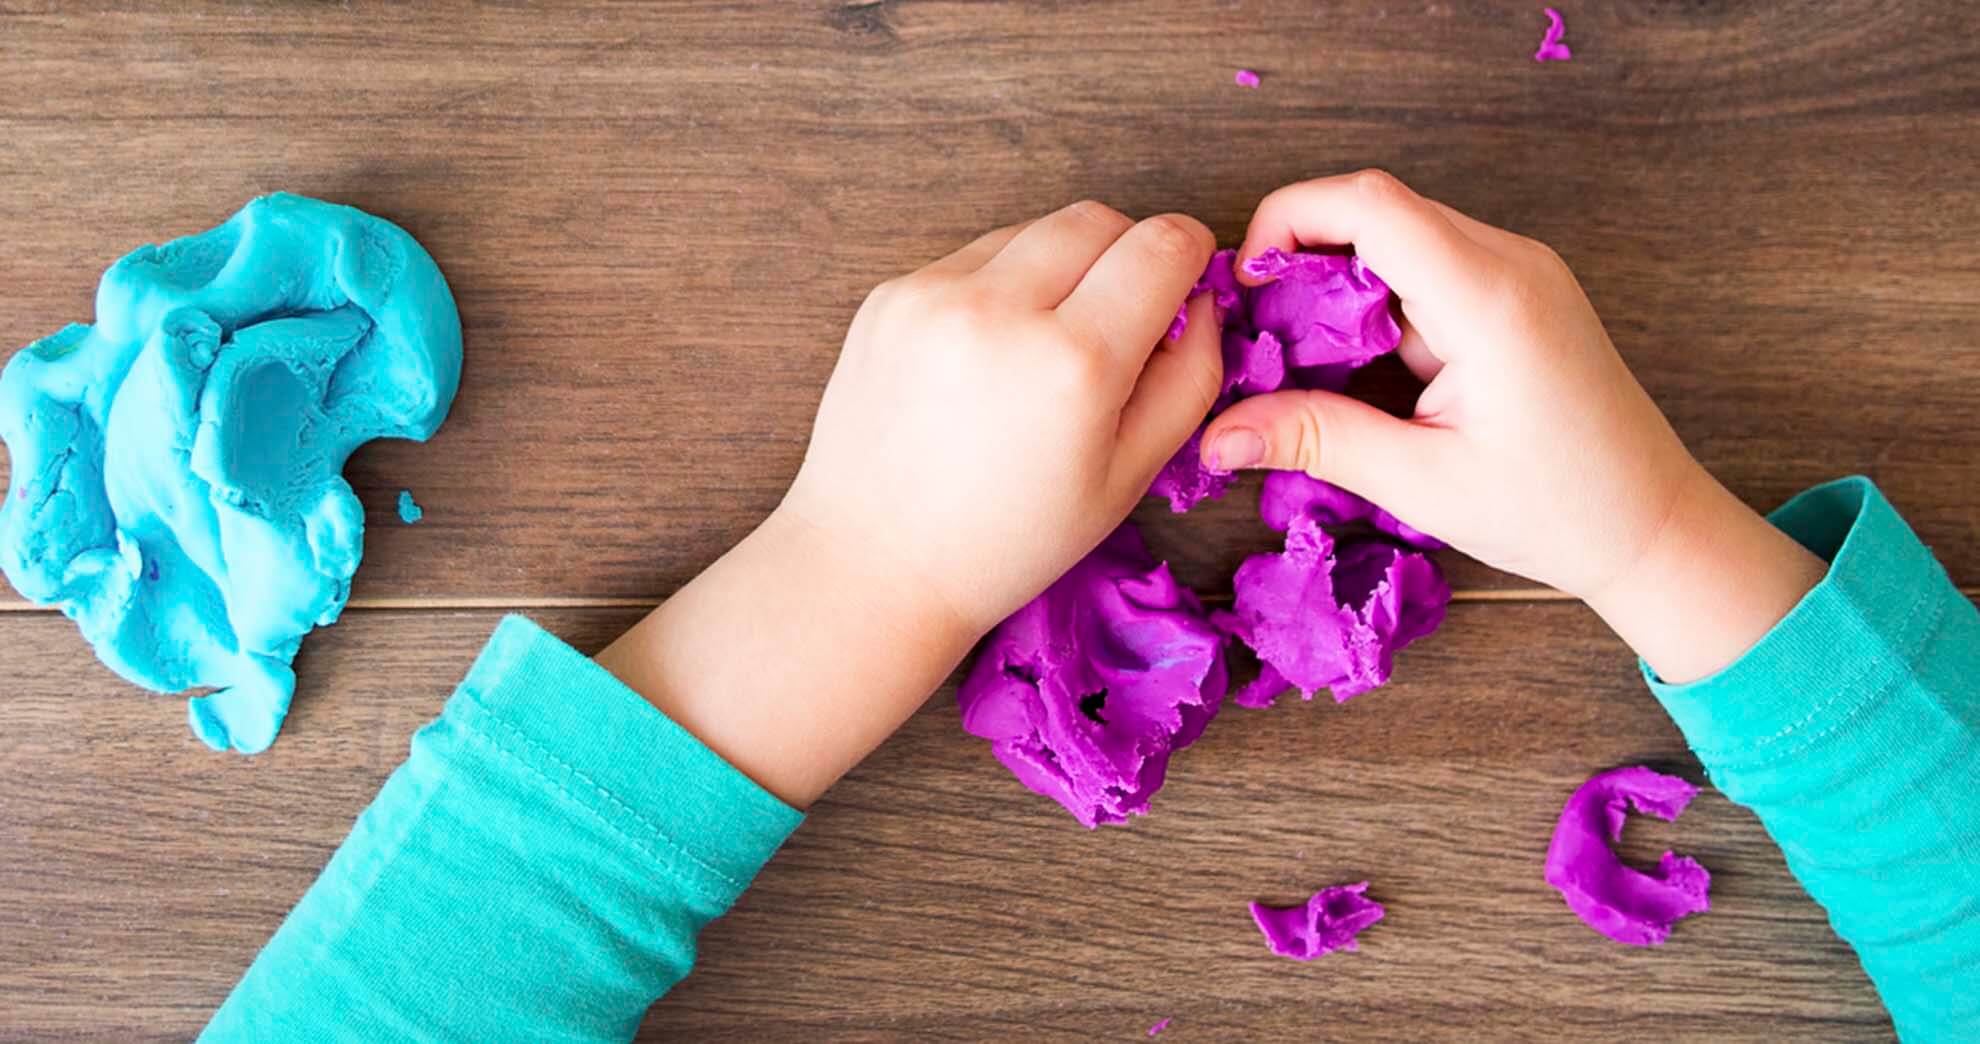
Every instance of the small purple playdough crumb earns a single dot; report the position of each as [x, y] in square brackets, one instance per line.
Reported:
[1619, 901]
[1246, 78]
[1159, 1027]
[1330, 615]
[1551, 47]
[1320, 317]
[1086, 691]
[1329, 921]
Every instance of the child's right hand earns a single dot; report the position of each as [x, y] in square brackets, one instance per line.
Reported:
[1532, 449]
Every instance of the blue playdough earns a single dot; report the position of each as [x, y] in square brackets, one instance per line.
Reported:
[409, 509]
[176, 480]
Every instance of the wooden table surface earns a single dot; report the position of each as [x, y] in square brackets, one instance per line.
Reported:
[657, 220]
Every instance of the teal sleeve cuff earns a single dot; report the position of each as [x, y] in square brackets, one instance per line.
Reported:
[1847, 642]
[539, 868]
[606, 748]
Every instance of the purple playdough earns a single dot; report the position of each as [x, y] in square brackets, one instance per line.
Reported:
[1287, 494]
[1328, 615]
[1327, 922]
[1621, 902]
[1086, 691]
[1321, 317]
[1551, 47]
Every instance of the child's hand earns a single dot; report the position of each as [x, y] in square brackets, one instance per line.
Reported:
[994, 415]
[1532, 449]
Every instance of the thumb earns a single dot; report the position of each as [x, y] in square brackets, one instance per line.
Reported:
[1328, 436]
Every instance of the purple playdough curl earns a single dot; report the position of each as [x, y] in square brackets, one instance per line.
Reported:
[1086, 691]
[1320, 317]
[1327, 615]
[1327, 922]
[1621, 902]
[1551, 47]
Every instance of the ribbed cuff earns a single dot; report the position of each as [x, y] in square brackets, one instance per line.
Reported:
[1881, 593]
[584, 732]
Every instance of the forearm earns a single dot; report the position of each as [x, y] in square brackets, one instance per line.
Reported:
[791, 657]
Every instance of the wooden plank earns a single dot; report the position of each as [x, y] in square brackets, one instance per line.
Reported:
[930, 897]
[658, 218]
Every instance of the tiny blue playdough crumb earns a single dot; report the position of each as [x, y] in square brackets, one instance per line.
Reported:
[409, 509]
[177, 485]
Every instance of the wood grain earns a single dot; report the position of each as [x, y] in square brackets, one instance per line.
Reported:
[658, 218]
[930, 897]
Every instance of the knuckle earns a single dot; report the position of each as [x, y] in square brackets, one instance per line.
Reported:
[1075, 370]
[1310, 440]
[1378, 185]
[1096, 213]
[886, 292]
[974, 305]
[1174, 239]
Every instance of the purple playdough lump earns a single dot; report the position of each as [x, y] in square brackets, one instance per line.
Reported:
[1086, 691]
[1327, 922]
[1245, 78]
[1551, 47]
[1330, 615]
[1621, 902]
[1319, 318]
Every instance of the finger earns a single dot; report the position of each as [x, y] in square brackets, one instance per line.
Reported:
[1417, 354]
[1045, 261]
[1332, 437]
[979, 250]
[1175, 390]
[1406, 240]
[1129, 297]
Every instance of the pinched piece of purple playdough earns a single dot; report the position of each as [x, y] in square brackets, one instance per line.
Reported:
[1087, 690]
[1327, 615]
[1319, 318]
[1623, 903]
[1327, 922]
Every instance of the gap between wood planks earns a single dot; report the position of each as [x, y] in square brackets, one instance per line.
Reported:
[475, 602]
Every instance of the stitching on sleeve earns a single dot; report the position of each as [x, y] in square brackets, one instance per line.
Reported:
[612, 799]
[1751, 754]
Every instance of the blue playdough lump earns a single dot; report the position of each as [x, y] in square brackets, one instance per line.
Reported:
[409, 509]
[177, 484]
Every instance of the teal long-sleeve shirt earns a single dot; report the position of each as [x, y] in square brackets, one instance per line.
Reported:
[541, 865]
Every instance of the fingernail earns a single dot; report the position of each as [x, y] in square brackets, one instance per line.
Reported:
[1236, 448]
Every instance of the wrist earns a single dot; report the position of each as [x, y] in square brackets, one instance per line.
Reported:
[1714, 578]
[859, 590]
[790, 658]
